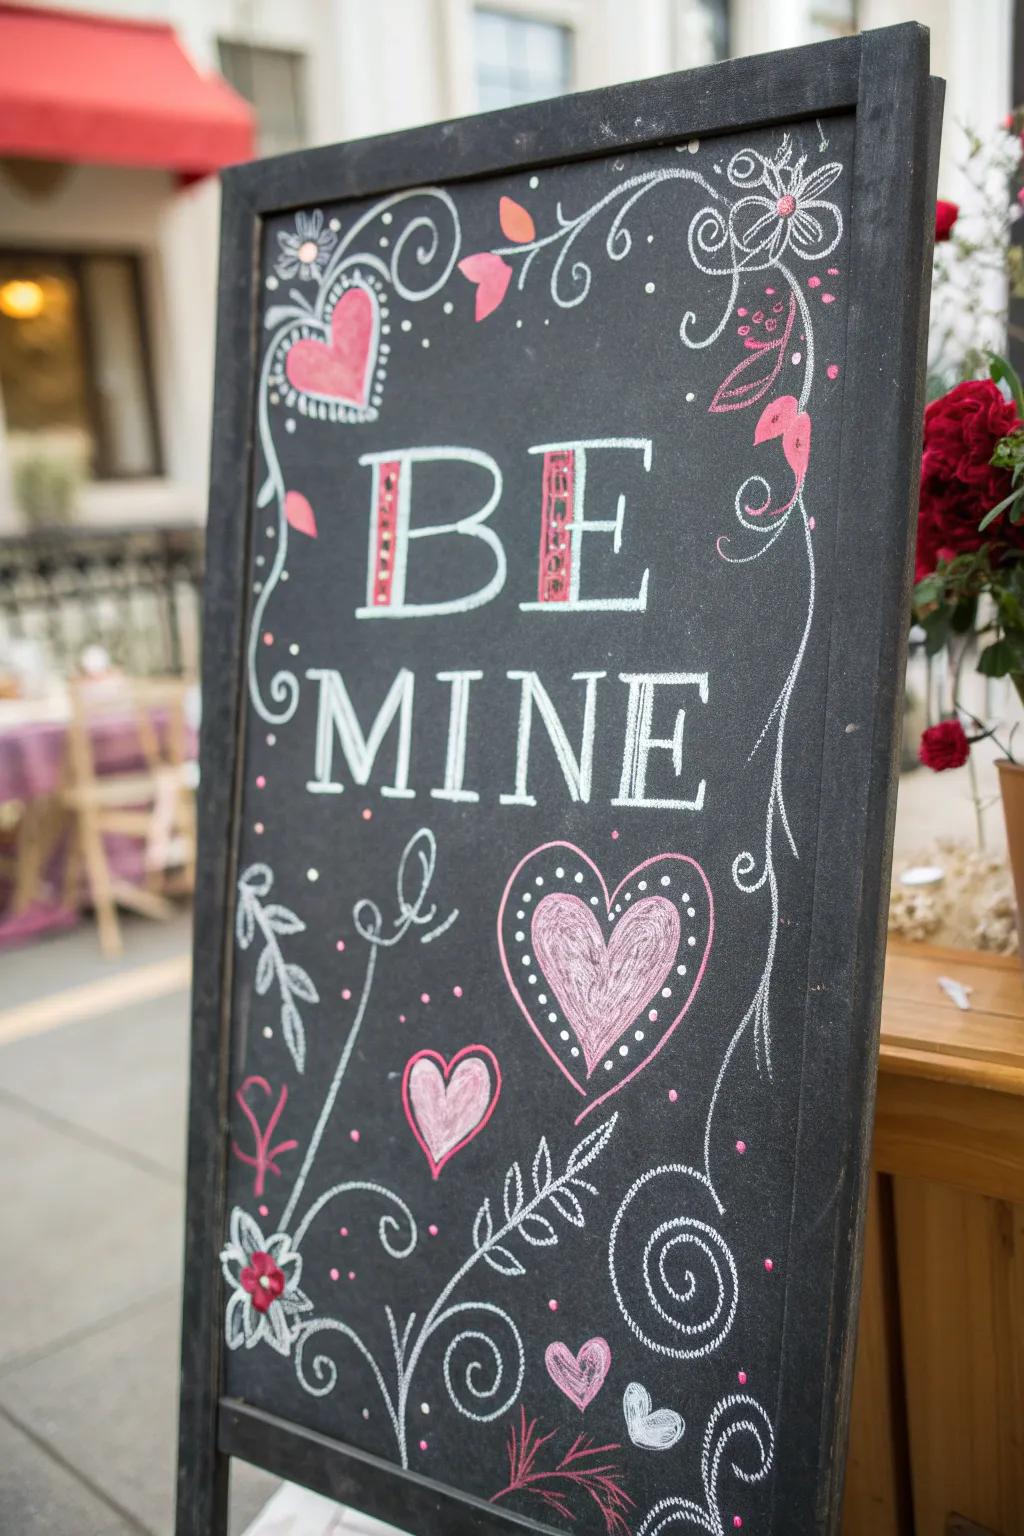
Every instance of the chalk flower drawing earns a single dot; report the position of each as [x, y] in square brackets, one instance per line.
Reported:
[733, 1417]
[483, 1361]
[272, 922]
[265, 1303]
[304, 250]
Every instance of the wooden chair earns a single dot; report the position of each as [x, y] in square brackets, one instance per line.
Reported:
[151, 800]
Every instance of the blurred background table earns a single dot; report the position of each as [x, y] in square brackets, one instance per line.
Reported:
[938, 1411]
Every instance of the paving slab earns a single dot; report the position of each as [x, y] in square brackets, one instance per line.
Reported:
[39, 1497]
[122, 1077]
[74, 959]
[91, 1233]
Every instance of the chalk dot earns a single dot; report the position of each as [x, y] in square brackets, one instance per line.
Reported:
[335, 224]
[690, 912]
[289, 425]
[346, 993]
[648, 287]
[432, 1230]
[519, 325]
[313, 875]
[638, 1034]
[686, 897]
[769, 1265]
[672, 1095]
[833, 370]
[642, 885]
[423, 1445]
[401, 1018]
[271, 283]
[258, 829]
[690, 397]
[425, 342]
[340, 946]
[532, 980]
[797, 357]
[424, 1407]
[811, 524]
[293, 648]
[386, 218]
[741, 1147]
[665, 880]
[542, 998]
[741, 1377]
[562, 1034]
[264, 1210]
[828, 298]
[383, 242]
[335, 1274]
[527, 895]
[526, 960]
[574, 1050]
[737, 1521]
[520, 936]
[268, 638]
[559, 873]
[618, 906]
[552, 1018]
[261, 782]
[271, 739]
[629, 896]
[553, 1305]
[424, 997]
[353, 1135]
[351, 1274]
[653, 1015]
[456, 991]
[680, 970]
[406, 325]
[693, 146]
[615, 835]
[520, 915]
[539, 880]
[814, 282]
[623, 1050]
[366, 1413]
[366, 813]
[343, 1231]
[268, 1033]
[578, 877]
[593, 901]
[666, 991]
[608, 1065]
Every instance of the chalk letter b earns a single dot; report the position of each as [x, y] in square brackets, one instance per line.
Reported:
[391, 533]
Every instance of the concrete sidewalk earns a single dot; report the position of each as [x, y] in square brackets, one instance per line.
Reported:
[92, 1135]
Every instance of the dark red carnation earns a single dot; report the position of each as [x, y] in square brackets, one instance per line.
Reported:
[958, 483]
[944, 746]
[946, 215]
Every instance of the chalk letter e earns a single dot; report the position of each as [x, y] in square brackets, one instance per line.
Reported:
[391, 533]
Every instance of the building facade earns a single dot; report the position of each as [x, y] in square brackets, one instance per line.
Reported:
[107, 270]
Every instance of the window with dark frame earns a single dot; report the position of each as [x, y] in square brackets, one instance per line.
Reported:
[518, 58]
[273, 82]
[75, 363]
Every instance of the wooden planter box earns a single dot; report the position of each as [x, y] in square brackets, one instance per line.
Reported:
[937, 1435]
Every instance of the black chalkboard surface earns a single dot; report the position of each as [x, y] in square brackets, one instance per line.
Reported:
[558, 557]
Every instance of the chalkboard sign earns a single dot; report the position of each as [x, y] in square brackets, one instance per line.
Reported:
[558, 557]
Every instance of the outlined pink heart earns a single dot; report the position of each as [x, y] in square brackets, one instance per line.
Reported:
[342, 368]
[448, 1103]
[604, 979]
[580, 1376]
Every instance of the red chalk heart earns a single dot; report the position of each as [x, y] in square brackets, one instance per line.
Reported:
[342, 368]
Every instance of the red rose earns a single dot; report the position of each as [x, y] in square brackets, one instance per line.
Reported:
[946, 215]
[944, 746]
[958, 483]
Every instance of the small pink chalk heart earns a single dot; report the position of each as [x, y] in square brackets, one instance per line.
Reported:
[580, 1376]
[447, 1103]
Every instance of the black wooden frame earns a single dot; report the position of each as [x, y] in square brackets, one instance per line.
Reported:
[882, 78]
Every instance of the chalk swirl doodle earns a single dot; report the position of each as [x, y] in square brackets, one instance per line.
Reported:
[732, 1418]
[681, 1320]
[307, 369]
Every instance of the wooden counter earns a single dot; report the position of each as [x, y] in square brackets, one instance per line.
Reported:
[938, 1412]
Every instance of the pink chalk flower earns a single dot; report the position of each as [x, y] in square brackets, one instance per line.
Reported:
[264, 1273]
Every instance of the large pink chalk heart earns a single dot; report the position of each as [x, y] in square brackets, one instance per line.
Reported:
[448, 1103]
[602, 978]
[580, 1376]
[342, 368]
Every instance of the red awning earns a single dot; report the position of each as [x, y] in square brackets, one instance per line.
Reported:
[110, 92]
